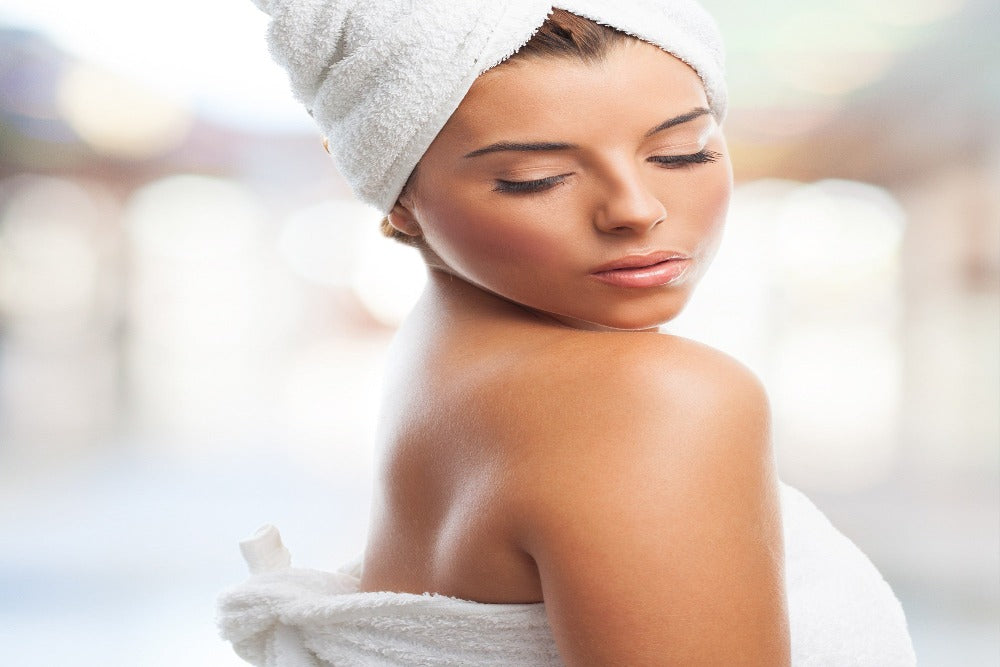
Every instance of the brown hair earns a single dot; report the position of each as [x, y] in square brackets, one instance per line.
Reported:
[563, 35]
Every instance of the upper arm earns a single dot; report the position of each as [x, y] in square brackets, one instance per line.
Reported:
[654, 519]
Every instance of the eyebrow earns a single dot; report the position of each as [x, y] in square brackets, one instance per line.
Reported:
[501, 146]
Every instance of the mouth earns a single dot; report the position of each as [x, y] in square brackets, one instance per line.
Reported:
[652, 270]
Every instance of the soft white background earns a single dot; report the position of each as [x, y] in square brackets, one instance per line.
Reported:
[193, 314]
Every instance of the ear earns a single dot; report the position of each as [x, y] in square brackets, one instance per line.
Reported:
[403, 220]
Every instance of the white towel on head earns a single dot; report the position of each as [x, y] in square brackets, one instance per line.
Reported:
[382, 77]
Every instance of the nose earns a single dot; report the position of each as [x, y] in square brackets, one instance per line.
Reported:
[628, 205]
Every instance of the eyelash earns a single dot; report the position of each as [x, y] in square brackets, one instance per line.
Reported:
[665, 161]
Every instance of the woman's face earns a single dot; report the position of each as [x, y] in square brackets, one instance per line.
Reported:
[591, 193]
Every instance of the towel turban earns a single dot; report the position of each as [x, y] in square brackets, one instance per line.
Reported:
[382, 77]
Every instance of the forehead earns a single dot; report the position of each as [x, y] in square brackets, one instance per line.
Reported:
[636, 85]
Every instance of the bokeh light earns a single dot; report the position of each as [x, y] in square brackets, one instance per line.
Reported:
[48, 261]
[389, 277]
[909, 12]
[117, 117]
[319, 243]
[810, 271]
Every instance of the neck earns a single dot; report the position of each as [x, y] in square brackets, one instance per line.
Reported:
[450, 296]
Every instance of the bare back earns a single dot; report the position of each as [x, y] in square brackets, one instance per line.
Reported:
[442, 519]
[497, 426]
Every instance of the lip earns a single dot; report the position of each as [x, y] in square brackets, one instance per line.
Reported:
[650, 270]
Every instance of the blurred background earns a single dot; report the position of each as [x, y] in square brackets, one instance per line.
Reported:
[192, 331]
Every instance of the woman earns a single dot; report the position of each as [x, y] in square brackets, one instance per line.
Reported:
[568, 485]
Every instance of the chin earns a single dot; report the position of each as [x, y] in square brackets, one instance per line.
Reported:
[640, 317]
[626, 319]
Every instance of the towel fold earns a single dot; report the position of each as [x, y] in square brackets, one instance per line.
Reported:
[842, 613]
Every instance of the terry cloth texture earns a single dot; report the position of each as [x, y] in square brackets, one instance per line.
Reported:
[382, 77]
[841, 610]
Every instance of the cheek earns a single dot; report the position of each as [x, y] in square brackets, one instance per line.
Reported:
[475, 238]
[710, 200]
[479, 234]
[720, 197]
[700, 213]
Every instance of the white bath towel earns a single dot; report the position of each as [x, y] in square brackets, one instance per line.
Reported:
[381, 77]
[842, 613]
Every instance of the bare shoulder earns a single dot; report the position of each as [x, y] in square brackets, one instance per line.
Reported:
[682, 368]
[641, 388]
[656, 407]
[647, 497]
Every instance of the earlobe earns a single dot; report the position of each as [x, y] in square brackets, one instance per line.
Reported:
[402, 220]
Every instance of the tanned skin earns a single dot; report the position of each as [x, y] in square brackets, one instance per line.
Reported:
[540, 440]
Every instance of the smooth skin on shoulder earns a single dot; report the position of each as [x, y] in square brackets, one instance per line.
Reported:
[652, 512]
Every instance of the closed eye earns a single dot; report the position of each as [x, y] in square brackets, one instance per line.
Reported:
[665, 161]
[539, 185]
[676, 161]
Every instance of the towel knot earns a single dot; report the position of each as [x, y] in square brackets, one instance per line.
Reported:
[264, 552]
